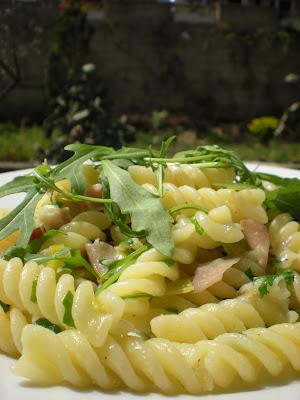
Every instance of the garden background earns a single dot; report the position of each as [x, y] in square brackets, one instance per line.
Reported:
[134, 72]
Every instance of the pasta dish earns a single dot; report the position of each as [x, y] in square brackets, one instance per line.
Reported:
[132, 269]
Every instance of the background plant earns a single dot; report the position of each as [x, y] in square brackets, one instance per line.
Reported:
[82, 115]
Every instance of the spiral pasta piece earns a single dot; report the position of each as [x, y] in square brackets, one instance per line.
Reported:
[295, 293]
[158, 364]
[285, 241]
[84, 228]
[184, 174]
[149, 274]
[12, 323]
[243, 204]
[233, 315]
[94, 316]
[217, 228]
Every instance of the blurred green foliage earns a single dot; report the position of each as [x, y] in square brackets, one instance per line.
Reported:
[70, 44]
[159, 119]
[82, 114]
[21, 143]
[263, 127]
[16, 145]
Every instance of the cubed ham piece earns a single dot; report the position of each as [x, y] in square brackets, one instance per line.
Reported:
[98, 251]
[257, 237]
[207, 274]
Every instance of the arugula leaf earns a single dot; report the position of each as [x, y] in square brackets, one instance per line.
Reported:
[14, 251]
[123, 163]
[146, 210]
[4, 306]
[71, 169]
[72, 259]
[116, 215]
[45, 323]
[21, 218]
[268, 280]
[42, 174]
[169, 261]
[285, 199]
[277, 180]
[68, 303]
[20, 184]
[165, 146]
[33, 297]
[136, 155]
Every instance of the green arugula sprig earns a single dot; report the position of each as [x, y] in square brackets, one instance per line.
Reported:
[68, 304]
[116, 215]
[22, 217]
[42, 175]
[159, 169]
[34, 185]
[148, 218]
[286, 198]
[45, 323]
[180, 207]
[267, 281]
[71, 169]
[146, 210]
[72, 259]
[213, 157]
[137, 296]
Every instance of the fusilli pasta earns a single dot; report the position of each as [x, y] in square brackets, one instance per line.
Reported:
[12, 323]
[94, 316]
[184, 174]
[129, 269]
[235, 315]
[158, 363]
[285, 241]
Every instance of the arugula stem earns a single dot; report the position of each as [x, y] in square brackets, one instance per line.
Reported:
[160, 178]
[175, 209]
[79, 197]
[126, 156]
[137, 296]
[213, 164]
[126, 262]
[181, 160]
[68, 195]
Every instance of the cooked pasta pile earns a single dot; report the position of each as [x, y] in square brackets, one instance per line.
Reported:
[130, 270]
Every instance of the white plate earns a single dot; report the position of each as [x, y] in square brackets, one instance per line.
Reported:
[15, 388]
